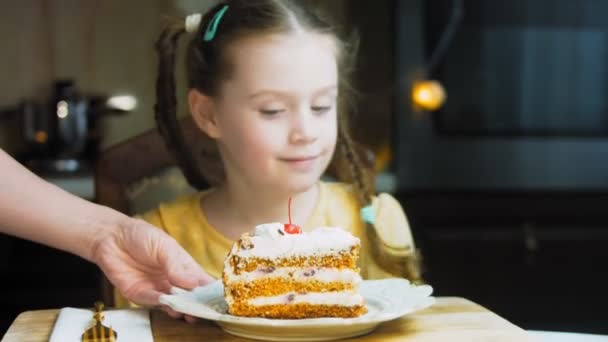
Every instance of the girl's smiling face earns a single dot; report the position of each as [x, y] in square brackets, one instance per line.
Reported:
[275, 119]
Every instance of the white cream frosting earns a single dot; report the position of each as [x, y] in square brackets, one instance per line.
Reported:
[326, 275]
[270, 230]
[342, 298]
[271, 241]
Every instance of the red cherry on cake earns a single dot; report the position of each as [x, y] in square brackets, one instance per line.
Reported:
[292, 229]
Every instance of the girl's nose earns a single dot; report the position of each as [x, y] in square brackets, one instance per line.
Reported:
[303, 127]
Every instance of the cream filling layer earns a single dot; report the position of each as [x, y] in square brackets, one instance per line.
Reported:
[342, 298]
[325, 275]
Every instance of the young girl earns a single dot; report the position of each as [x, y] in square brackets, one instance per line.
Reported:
[267, 87]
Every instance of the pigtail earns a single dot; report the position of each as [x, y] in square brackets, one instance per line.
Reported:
[346, 148]
[393, 261]
[166, 104]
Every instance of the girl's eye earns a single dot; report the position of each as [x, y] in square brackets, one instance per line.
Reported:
[320, 109]
[271, 112]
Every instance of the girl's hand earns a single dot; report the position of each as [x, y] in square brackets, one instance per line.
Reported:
[144, 262]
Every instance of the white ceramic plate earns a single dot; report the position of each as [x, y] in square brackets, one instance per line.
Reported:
[385, 299]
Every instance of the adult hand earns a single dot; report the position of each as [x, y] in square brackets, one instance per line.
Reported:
[144, 262]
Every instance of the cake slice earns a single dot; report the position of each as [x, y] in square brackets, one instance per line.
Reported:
[276, 273]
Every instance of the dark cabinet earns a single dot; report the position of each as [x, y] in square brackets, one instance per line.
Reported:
[35, 277]
[538, 272]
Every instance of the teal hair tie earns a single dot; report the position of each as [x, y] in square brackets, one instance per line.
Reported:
[212, 26]
[368, 214]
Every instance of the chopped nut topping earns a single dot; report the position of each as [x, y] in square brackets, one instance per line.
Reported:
[246, 243]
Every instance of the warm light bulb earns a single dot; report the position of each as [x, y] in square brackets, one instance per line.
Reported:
[428, 95]
[41, 137]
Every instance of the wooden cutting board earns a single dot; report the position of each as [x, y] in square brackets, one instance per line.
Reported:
[451, 319]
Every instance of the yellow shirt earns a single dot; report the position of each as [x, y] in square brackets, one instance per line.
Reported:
[337, 206]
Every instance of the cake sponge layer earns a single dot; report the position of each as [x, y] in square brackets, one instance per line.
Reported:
[346, 259]
[296, 311]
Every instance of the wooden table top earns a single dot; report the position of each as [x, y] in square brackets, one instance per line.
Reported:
[451, 319]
